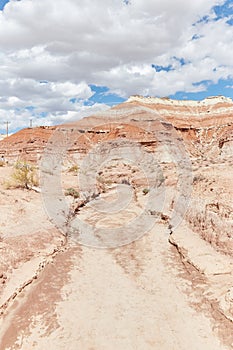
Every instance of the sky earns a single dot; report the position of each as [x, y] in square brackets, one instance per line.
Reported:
[65, 59]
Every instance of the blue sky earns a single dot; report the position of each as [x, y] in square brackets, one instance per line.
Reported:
[3, 3]
[223, 87]
[65, 59]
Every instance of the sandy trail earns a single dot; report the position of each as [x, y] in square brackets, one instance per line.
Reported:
[125, 298]
[131, 298]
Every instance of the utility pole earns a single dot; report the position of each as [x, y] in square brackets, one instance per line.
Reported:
[7, 127]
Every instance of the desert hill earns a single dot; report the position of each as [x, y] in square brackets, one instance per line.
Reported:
[205, 126]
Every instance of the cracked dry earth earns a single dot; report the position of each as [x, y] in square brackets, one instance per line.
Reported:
[58, 294]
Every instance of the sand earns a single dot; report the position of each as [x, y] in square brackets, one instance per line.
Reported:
[139, 296]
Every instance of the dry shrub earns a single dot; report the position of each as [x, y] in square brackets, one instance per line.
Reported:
[24, 176]
[73, 169]
[72, 192]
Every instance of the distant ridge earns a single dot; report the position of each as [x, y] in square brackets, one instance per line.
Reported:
[212, 100]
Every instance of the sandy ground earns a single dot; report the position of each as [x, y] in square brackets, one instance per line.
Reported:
[139, 296]
[105, 299]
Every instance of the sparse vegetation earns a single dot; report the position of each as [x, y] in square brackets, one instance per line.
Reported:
[73, 169]
[100, 179]
[160, 179]
[108, 182]
[125, 182]
[72, 192]
[24, 176]
[198, 178]
[145, 191]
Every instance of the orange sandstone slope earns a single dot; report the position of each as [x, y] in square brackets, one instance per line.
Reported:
[26, 144]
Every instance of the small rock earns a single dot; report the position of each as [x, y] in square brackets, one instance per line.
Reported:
[14, 295]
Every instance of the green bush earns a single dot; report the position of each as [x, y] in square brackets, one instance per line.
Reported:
[145, 191]
[72, 192]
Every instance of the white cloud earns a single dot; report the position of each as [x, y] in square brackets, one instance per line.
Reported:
[72, 44]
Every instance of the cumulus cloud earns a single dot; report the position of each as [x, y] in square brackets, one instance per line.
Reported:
[52, 51]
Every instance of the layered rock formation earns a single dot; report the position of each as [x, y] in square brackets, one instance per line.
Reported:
[27, 144]
[205, 126]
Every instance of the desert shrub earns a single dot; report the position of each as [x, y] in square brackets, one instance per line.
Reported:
[160, 179]
[73, 169]
[125, 182]
[108, 182]
[198, 178]
[2, 163]
[24, 175]
[145, 191]
[72, 192]
[100, 179]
